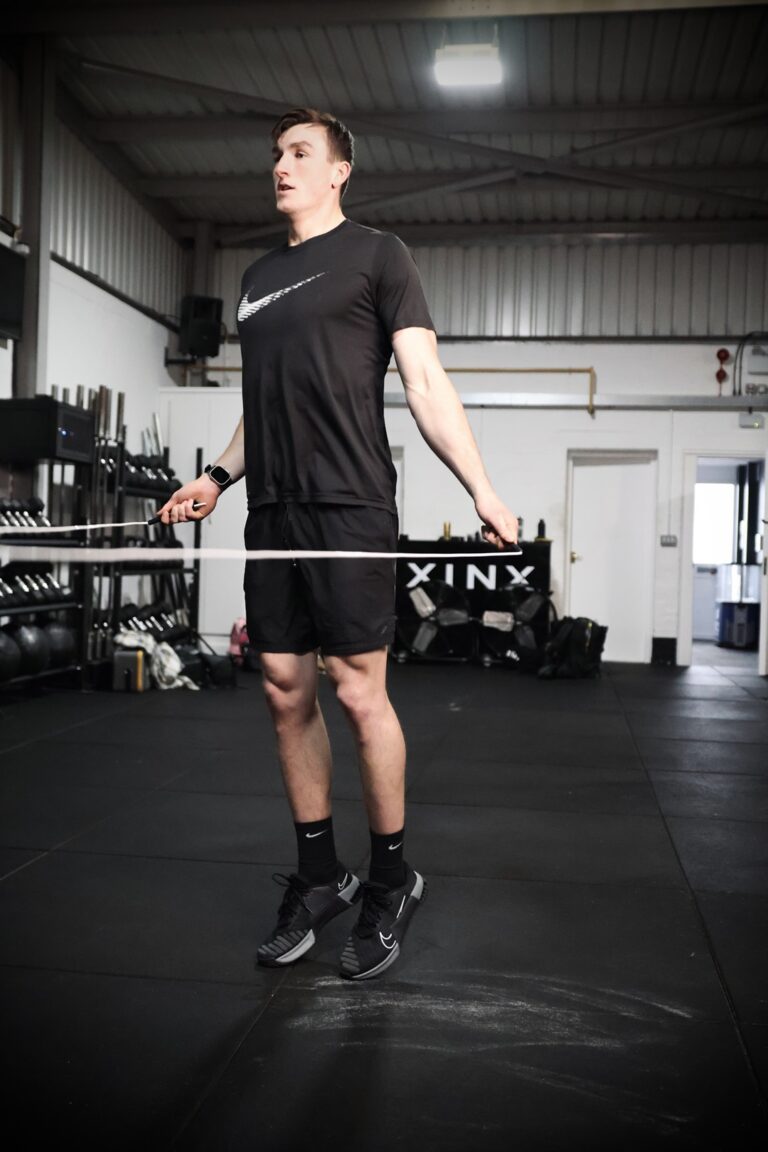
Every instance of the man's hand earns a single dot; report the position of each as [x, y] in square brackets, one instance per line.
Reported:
[499, 525]
[179, 508]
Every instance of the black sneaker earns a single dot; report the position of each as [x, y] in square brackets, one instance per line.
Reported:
[305, 909]
[374, 942]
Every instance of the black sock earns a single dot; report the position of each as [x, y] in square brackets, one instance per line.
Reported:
[317, 851]
[387, 865]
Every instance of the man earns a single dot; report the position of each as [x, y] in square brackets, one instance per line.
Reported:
[319, 319]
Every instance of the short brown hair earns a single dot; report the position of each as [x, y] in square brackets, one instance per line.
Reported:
[341, 142]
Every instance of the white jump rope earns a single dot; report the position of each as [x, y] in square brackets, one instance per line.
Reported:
[80, 555]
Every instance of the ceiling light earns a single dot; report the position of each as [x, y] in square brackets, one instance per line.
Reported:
[465, 65]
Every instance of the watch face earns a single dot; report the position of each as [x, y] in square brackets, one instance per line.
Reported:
[219, 475]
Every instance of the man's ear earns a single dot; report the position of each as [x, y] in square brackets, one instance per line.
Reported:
[342, 173]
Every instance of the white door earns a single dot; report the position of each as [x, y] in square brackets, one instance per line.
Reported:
[762, 654]
[612, 546]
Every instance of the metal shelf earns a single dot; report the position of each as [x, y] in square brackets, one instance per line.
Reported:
[40, 541]
[40, 675]
[29, 609]
[131, 568]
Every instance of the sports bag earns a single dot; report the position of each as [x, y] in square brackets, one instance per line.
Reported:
[575, 650]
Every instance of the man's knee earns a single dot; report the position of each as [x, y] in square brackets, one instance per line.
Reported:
[289, 683]
[360, 687]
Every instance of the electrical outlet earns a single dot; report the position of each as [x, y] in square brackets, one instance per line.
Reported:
[669, 541]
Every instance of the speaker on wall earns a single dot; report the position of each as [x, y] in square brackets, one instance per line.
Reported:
[200, 331]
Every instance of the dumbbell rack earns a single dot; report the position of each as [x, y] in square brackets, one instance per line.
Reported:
[51, 609]
[180, 584]
[96, 490]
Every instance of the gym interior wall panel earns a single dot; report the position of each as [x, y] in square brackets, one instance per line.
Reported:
[95, 339]
[97, 226]
[560, 291]
[525, 451]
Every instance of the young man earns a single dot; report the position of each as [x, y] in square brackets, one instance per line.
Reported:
[319, 319]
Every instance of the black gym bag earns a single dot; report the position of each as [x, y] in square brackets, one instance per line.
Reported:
[575, 650]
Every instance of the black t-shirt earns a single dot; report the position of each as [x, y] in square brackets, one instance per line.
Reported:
[316, 322]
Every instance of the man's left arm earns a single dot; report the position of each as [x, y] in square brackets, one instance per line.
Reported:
[443, 423]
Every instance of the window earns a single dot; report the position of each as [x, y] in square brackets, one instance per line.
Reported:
[714, 514]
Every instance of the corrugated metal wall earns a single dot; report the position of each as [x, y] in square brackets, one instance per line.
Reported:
[650, 290]
[9, 174]
[633, 290]
[99, 227]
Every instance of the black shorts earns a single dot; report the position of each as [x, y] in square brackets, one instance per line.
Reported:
[339, 606]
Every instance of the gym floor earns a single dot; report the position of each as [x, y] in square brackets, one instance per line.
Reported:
[589, 970]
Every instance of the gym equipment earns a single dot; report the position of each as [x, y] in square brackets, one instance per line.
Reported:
[200, 328]
[34, 648]
[130, 671]
[62, 644]
[42, 428]
[515, 627]
[433, 622]
[575, 651]
[10, 657]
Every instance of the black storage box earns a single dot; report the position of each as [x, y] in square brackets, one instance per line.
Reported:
[41, 428]
[130, 670]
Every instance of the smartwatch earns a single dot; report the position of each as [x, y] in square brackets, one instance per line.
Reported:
[219, 475]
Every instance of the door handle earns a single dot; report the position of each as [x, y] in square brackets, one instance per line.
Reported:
[574, 557]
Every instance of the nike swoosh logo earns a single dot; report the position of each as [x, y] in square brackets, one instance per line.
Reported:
[393, 846]
[343, 882]
[384, 939]
[250, 307]
[314, 835]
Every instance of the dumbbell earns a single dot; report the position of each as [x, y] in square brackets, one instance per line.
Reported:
[10, 517]
[9, 596]
[21, 514]
[27, 593]
[40, 592]
[36, 508]
[129, 616]
[147, 616]
[54, 589]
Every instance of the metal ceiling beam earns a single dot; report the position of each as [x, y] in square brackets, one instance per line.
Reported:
[584, 118]
[385, 126]
[553, 232]
[258, 185]
[236, 234]
[698, 124]
[195, 16]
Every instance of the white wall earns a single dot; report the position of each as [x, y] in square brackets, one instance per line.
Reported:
[206, 418]
[94, 339]
[6, 364]
[525, 452]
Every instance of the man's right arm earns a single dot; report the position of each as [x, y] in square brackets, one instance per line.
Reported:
[179, 508]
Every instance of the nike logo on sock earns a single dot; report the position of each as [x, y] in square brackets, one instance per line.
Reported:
[343, 882]
[249, 307]
[393, 846]
[314, 835]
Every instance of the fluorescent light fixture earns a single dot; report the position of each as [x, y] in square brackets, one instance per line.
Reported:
[468, 65]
